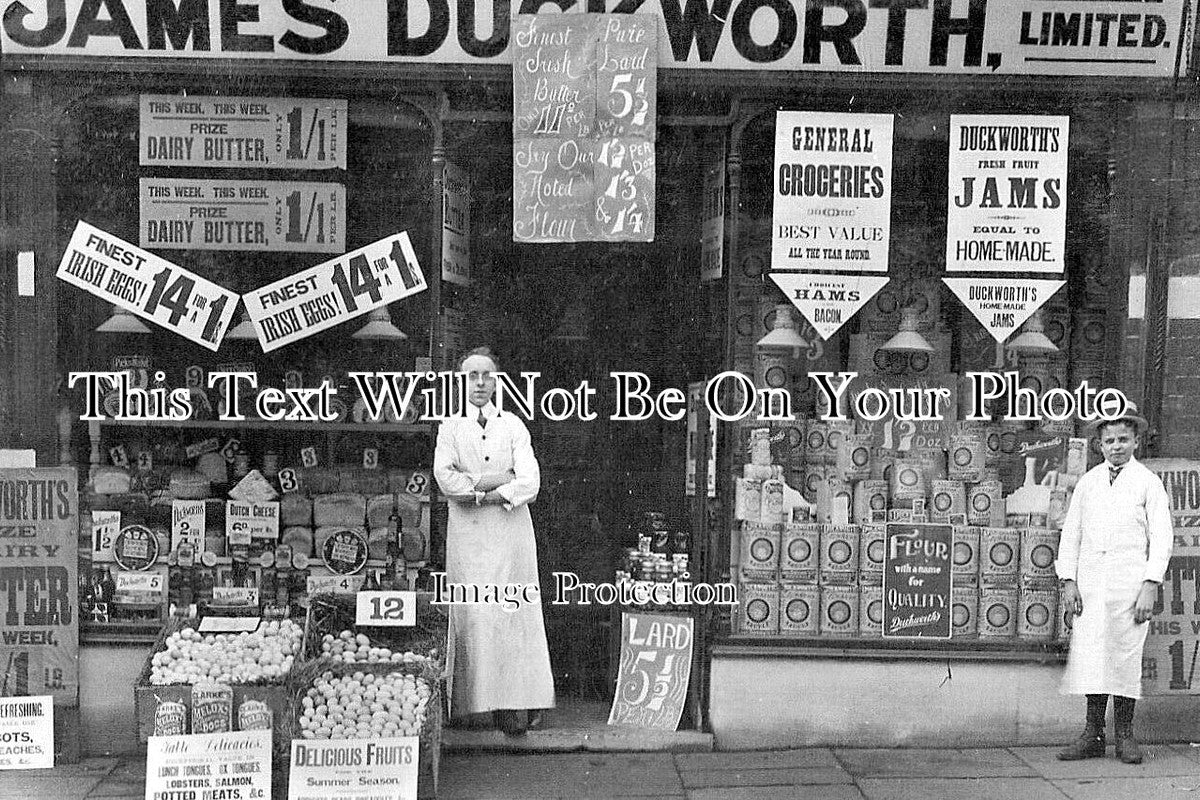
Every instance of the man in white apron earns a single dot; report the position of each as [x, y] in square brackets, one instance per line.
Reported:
[1116, 542]
[484, 464]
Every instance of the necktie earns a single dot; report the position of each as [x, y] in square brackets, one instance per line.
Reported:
[482, 420]
[1113, 472]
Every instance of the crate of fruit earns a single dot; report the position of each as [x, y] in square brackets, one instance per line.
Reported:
[332, 699]
[243, 673]
[330, 632]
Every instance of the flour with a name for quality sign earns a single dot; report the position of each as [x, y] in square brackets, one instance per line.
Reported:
[833, 192]
[335, 291]
[258, 132]
[199, 214]
[916, 581]
[1007, 207]
[151, 287]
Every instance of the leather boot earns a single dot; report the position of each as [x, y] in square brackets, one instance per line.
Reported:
[1128, 749]
[1090, 744]
[512, 722]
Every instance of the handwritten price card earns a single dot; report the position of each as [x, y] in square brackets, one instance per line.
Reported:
[196, 214]
[624, 186]
[552, 190]
[627, 75]
[656, 665]
[554, 75]
[151, 287]
[335, 291]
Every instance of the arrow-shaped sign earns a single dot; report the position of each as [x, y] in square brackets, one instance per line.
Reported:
[828, 301]
[1002, 304]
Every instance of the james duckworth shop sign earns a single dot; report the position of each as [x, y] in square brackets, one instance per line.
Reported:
[1121, 38]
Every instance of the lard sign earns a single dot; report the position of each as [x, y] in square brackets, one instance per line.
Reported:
[656, 664]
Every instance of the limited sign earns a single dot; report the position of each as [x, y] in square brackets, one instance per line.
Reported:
[335, 291]
[252, 132]
[203, 214]
[151, 287]
[916, 581]
[655, 667]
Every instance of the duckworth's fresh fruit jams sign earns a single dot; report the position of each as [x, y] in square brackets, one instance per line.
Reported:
[1125, 38]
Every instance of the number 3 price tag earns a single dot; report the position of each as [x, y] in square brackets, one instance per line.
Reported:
[393, 609]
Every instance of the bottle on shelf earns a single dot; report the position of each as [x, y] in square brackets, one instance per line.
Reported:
[371, 584]
[108, 586]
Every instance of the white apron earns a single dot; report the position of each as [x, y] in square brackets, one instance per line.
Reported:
[1114, 538]
[498, 658]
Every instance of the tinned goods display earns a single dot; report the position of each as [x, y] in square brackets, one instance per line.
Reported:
[948, 500]
[985, 504]
[760, 608]
[799, 553]
[872, 551]
[1037, 612]
[999, 554]
[760, 551]
[966, 555]
[799, 609]
[870, 609]
[964, 613]
[839, 610]
[870, 500]
[1039, 550]
[170, 718]
[998, 612]
[839, 553]
[212, 708]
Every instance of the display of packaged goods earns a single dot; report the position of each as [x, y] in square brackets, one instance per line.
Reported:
[872, 549]
[870, 609]
[1037, 613]
[833, 506]
[799, 553]
[771, 512]
[814, 482]
[787, 444]
[800, 608]
[212, 708]
[948, 500]
[254, 715]
[967, 456]
[1039, 550]
[759, 447]
[170, 718]
[839, 553]
[869, 496]
[997, 612]
[964, 611]
[985, 504]
[882, 461]
[932, 461]
[760, 548]
[760, 608]
[839, 610]
[966, 555]
[992, 445]
[771, 368]
[1077, 456]
[816, 437]
[837, 431]
[747, 500]
[908, 482]
[854, 457]
[999, 555]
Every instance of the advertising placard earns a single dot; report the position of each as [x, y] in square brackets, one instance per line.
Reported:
[456, 225]
[833, 192]
[696, 407]
[105, 527]
[1007, 208]
[39, 589]
[334, 291]
[554, 76]
[252, 132]
[1002, 304]
[187, 524]
[1169, 659]
[201, 214]
[712, 222]
[27, 732]
[386, 609]
[656, 665]
[232, 764]
[624, 189]
[916, 581]
[351, 769]
[151, 287]
[828, 301]
[552, 190]
[246, 520]
[627, 76]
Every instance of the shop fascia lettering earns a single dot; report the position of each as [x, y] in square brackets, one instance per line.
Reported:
[884, 35]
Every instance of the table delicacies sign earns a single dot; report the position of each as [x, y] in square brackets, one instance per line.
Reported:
[916, 581]
[335, 291]
[151, 287]
[212, 765]
[257, 132]
[244, 215]
[655, 667]
[351, 769]
[1007, 207]
[833, 192]
[27, 732]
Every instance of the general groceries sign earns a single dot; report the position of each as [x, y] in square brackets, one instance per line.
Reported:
[1126, 38]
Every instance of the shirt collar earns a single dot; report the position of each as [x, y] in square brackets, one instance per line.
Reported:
[489, 411]
[1124, 466]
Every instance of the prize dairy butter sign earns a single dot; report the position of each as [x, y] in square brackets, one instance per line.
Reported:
[1126, 38]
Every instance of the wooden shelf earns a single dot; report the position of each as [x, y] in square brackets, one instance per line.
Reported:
[264, 425]
[877, 648]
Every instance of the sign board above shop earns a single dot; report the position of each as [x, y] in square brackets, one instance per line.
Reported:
[1118, 38]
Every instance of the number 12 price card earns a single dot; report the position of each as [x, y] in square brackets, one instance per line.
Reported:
[151, 287]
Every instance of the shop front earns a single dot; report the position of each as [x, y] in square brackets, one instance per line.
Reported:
[796, 153]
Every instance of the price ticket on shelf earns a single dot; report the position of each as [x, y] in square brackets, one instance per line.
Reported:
[198, 214]
[391, 609]
[151, 287]
[335, 291]
[245, 521]
[258, 132]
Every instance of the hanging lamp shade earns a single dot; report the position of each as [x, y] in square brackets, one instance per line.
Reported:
[908, 339]
[783, 336]
[1032, 338]
[244, 329]
[122, 321]
[379, 327]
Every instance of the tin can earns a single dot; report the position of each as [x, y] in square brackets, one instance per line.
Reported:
[760, 608]
[771, 369]
[908, 482]
[1037, 613]
[839, 553]
[838, 430]
[212, 708]
[993, 452]
[839, 610]
[1039, 550]
[999, 555]
[882, 461]
[771, 510]
[964, 612]
[997, 612]
[800, 609]
[748, 500]
[870, 609]
[985, 503]
[254, 715]
[760, 447]
[836, 510]
[1077, 456]
[799, 553]
[872, 550]
[967, 456]
[947, 500]
[816, 440]
[854, 457]
[869, 496]
[966, 555]
[170, 718]
[760, 551]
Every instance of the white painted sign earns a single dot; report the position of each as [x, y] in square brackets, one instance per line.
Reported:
[833, 192]
[202, 214]
[828, 301]
[235, 765]
[1002, 304]
[235, 595]
[106, 525]
[1007, 207]
[334, 584]
[187, 524]
[250, 132]
[391, 609]
[151, 287]
[245, 521]
[352, 769]
[335, 291]
[456, 225]
[27, 733]
[146, 582]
